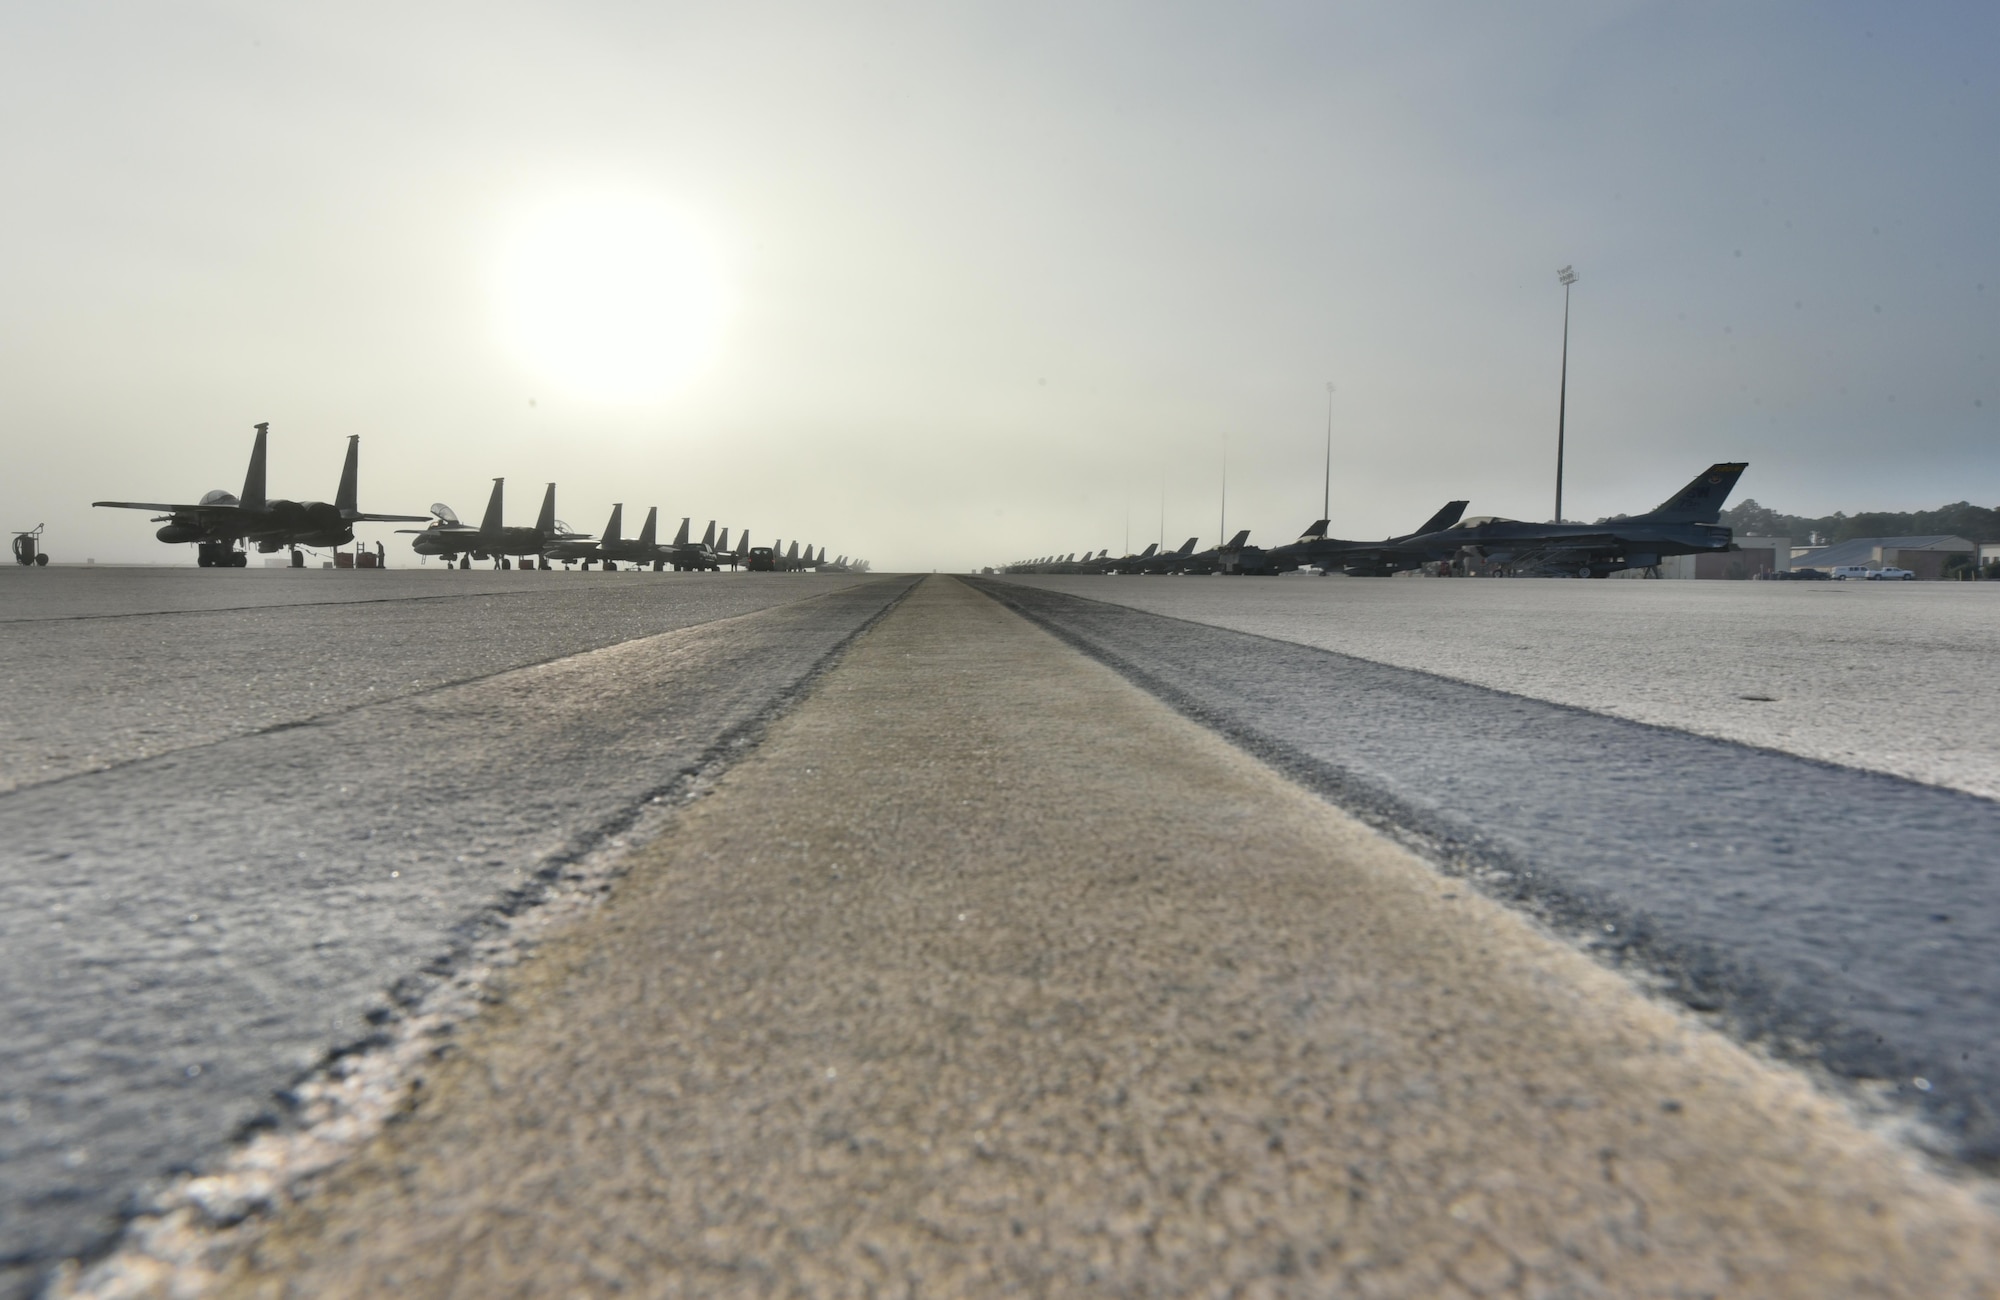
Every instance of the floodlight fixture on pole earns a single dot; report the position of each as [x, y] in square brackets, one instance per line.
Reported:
[1566, 277]
[1326, 492]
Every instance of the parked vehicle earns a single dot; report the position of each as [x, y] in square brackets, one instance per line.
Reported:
[1843, 572]
[1889, 572]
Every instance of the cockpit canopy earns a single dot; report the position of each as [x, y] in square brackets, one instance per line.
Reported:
[219, 498]
[1477, 520]
[445, 514]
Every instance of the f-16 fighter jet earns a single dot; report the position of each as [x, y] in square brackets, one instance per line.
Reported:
[1213, 559]
[219, 521]
[1160, 562]
[1685, 524]
[1366, 559]
[492, 539]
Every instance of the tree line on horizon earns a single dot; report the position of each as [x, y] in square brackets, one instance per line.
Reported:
[1960, 519]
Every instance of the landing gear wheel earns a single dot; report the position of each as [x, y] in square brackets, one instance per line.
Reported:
[544, 565]
[1584, 572]
[239, 559]
[41, 558]
[465, 561]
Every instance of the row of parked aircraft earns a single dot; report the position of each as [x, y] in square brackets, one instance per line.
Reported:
[223, 527]
[1686, 524]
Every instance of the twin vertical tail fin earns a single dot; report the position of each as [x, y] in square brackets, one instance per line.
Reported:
[253, 482]
[614, 529]
[545, 523]
[647, 533]
[708, 538]
[491, 523]
[1700, 502]
[681, 537]
[346, 497]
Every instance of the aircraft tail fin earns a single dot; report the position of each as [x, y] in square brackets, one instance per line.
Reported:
[347, 497]
[545, 522]
[1187, 547]
[494, 514]
[1700, 502]
[1147, 554]
[1316, 532]
[708, 538]
[1453, 512]
[1238, 542]
[793, 554]
[253, 481]
[681, 537]
[614, 529]
[743, 542]
[722, 542]
[650, 529]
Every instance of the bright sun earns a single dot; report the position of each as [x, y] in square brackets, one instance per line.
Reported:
[616, 299]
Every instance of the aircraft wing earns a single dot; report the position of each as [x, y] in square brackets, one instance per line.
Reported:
[356, 517]
[447, 530]
[156, 505]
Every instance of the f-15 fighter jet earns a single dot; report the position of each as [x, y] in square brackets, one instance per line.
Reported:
[492, 539]
[218, 521]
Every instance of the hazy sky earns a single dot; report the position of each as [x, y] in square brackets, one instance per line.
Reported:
[991, 276]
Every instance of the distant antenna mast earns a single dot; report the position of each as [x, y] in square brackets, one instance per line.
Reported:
[1326, 495]
[1163, 507]
[1567, 277]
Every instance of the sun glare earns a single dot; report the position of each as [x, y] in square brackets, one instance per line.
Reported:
[615, 299]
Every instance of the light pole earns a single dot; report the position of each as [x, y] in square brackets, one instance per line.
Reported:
[1222, 524]
[1567, 277]
[1326, 492]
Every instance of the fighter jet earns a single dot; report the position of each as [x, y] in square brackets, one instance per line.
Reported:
[492, 539]
[1367, 559]
[1214, 558]
[1168, 561]
[613, 548]
[1133, 563]
[1685, 524]
[219, 521]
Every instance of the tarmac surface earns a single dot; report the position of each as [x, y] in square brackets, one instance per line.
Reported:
[987, 974]
[984, 967]
[1893, 677]
[342, 797]
[107, 665]
[1842, 916]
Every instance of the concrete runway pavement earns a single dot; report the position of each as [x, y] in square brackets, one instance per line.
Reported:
[1892, 677]
[1845, 917]
[987, 973]
[183, 935]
